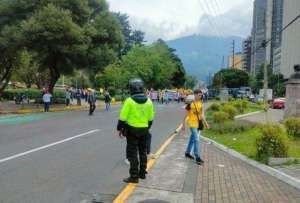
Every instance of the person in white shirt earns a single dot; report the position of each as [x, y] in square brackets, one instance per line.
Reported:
[47, 100]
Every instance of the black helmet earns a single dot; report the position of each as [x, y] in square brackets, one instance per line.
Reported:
[136, 86]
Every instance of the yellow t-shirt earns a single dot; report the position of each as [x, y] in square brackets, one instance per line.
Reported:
[192, 114]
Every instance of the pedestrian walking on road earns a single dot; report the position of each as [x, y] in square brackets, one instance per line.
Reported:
[68, 97]
[135, 120]
[107, 100]
[196, 120]
[91, 100]
[47, 100]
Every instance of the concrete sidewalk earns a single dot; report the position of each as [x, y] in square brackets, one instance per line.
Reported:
[222, 178]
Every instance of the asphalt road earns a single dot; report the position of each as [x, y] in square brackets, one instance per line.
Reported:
[69, 157]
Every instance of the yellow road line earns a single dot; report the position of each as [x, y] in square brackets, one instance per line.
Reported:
[127, 191]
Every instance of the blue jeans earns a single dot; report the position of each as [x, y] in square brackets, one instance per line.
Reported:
[107, 105]
[46, 106]
[194, 143]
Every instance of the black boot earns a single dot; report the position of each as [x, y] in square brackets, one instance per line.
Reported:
[142, 176]
[131, 180]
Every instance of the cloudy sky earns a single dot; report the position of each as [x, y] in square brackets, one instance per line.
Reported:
[170, 19]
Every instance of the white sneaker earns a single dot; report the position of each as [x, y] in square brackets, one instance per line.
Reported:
[127, 162]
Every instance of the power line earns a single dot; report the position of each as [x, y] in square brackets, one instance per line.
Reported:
[211, 9]
[213, 27]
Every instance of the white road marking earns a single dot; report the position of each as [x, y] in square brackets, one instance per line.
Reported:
[46, 146]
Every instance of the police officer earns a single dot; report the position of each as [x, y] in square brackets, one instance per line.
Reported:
[136, 118]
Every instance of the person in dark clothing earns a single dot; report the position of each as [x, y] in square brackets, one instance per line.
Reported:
[135, 120]
[91, 100]
[107, 100]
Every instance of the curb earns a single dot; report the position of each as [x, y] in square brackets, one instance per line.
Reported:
[271, 171]
[54, 109]
[247, 114]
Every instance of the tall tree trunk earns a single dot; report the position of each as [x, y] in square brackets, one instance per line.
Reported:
[5, 76]
[54, 76]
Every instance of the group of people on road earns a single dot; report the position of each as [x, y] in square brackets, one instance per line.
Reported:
[135, 121]
[87, 94]
[166, 96]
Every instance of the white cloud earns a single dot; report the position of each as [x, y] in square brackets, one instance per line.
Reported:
[170, 19]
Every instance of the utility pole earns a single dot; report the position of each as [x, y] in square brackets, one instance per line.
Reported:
[233, 52]
[266, 107]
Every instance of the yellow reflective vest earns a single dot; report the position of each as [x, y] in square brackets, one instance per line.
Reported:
[137, 115]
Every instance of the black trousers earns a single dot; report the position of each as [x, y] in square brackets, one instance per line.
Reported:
[136, 145]
[92, 108]
[148, 143]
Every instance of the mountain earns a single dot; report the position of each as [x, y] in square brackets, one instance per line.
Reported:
[202, 55]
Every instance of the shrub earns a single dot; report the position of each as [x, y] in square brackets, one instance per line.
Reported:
[230, 110]
[245, 103]
[231, 99]
[219, 117]
[10, 94]
[215, 107]
[273, 142]
[238, 105]
[293, 127]
[232, 127]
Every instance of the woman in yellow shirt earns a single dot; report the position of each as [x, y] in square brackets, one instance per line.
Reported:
[194, 114]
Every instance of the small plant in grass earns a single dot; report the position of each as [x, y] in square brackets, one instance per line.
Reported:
[273, 142]
[245, 103]
[238, 105]
[231, 99]
[219, 118]
[230, 110]
[293, 127]
[232, 127]
[215, 107]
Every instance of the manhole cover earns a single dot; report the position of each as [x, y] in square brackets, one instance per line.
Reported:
[153, 201]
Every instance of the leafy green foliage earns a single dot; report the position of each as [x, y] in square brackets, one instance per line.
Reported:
[230, 110]
[215, 107]
[231, 78]
[219, 117]
[66, 35]
[154, 64]
[275, 81]
[232, 127]
[273, 142]
[131, 37]
[293, 127]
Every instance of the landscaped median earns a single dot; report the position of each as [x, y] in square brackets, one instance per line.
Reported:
[256, 141]
[54, 108]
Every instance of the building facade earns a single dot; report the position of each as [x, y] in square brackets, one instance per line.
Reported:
[246, 54]
[277, 19]
[290, 45]
[236, 62]
[258, 35]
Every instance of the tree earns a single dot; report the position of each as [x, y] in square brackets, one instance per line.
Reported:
[66, 35]
[10, 39]
[231, 78]
[155, 64]
[275, 81]
[131, 37]
[27, 69]
[191, 82]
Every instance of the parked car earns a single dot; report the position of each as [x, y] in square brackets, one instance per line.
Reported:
[278, 103]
